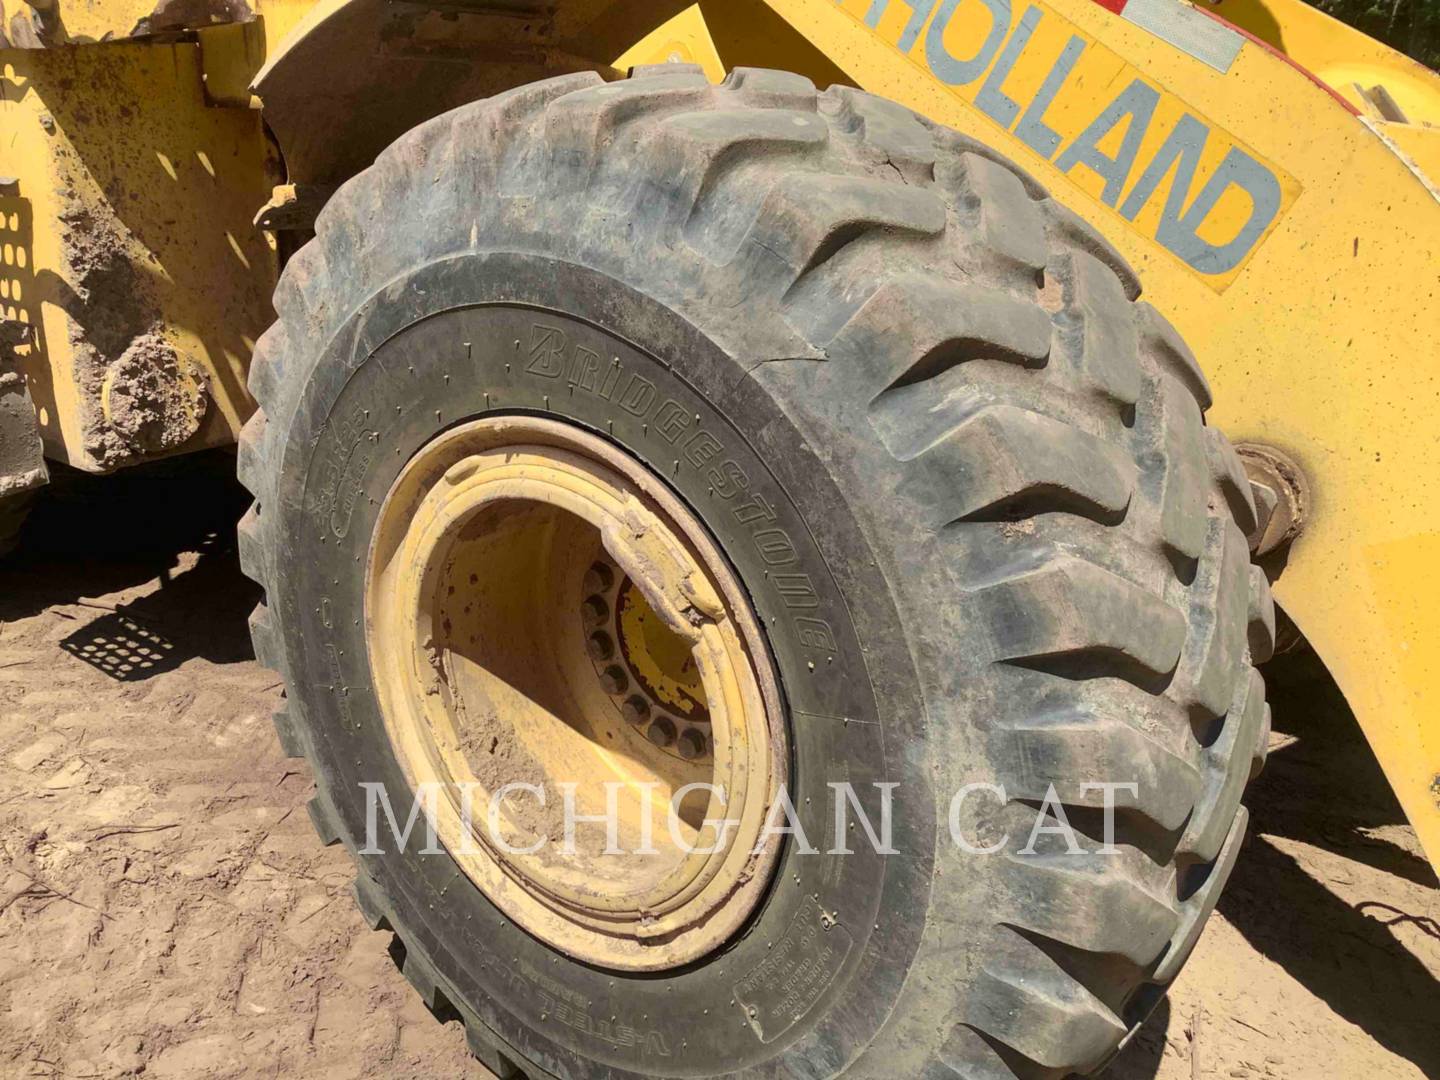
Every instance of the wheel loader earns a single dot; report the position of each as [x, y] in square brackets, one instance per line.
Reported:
[742, 421]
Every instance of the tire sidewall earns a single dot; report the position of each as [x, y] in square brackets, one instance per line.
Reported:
[807, 984]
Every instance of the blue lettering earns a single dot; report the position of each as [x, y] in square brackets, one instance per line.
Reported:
[1136, 104]
[1032, 129]
[1240, 170]
[1134, 108]
[919, 11]
[992, 99]
[1179, 229]
[953, 70]
[1183, 145]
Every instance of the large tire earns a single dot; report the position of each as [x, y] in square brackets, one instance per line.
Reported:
[1022, 549]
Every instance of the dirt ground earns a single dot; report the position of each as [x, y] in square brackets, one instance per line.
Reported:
[165, 907]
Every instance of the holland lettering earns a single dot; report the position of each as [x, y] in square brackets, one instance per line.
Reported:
[979, 44]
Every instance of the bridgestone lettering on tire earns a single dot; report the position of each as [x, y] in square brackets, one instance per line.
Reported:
[964, 474]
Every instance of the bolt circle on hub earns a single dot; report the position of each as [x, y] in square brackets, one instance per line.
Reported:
[645, 666]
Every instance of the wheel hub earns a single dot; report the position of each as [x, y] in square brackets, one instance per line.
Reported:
[647, 669]
[545, 616]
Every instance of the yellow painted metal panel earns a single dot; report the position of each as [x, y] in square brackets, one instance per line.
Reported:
[683, 39]
[1338, 54]
[103, 21]
[1418, 145]
[138, 199]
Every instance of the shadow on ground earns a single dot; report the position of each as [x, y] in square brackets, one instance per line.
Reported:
[92, 536]
[1324, 789]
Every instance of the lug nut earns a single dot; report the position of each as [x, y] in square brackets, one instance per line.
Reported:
[662, 732]
[599, 578]
[599, 646]
[595, 609]
[614, 679]
[691, 745]
[636, 709]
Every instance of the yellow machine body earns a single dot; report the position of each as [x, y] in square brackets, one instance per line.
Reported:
[1275, 186]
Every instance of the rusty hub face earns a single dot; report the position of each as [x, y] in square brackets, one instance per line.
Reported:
[1282, 497]
[648, 670]
[552, 633]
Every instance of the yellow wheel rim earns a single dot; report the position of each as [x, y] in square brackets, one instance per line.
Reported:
[541, 611]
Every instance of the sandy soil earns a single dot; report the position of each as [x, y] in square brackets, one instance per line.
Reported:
[165, 907]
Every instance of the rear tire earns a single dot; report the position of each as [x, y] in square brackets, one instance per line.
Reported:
[963, 473]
